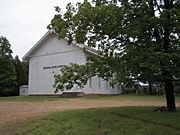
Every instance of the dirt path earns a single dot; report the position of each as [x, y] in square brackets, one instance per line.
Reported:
[15, 111]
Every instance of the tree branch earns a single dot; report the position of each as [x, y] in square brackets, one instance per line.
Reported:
[159, 9]
[127, 41]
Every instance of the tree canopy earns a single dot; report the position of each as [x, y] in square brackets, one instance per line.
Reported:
[5, 51]
[140, 38]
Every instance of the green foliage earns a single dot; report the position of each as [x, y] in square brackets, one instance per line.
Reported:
[5, 51]
[7, 77]
[139, 39]
[129, 91]
[7, 70]
[21, 72]
[72, 76]
[130, 27]
[63, 24]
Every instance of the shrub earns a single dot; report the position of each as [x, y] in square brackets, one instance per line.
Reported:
[8, 92]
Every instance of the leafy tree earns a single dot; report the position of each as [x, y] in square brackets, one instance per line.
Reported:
[7, 70]
[140, 36]
[21, 72]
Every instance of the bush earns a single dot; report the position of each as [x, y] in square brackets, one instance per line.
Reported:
[8, 92]
[129, 91]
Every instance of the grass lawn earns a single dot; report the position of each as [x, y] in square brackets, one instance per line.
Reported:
[91, 97]
[106, 121]
[31, 98]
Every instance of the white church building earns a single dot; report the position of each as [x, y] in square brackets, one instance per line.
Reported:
[50, 54]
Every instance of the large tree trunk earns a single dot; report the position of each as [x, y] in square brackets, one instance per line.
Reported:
[170, 98]
[169, 88]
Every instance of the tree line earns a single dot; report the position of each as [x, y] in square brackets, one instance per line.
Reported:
[13, 72]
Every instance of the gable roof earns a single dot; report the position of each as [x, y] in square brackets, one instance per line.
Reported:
[46, 36]
[28, 54]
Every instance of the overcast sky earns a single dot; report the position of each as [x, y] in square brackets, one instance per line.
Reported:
[24, 22]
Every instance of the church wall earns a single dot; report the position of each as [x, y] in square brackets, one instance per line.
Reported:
[47, 60]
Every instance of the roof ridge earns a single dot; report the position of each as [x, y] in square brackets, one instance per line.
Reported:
[51, 31]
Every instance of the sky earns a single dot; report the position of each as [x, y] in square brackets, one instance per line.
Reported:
[24, 22]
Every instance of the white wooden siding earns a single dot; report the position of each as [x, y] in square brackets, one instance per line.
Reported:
[54, 52]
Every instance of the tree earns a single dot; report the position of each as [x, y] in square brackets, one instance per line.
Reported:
[142, 37]
[7, 70]
[21, 72]
[25, 67]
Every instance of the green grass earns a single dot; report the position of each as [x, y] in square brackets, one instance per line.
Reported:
[31, 98]
[126, 96]
[106, 121]
[130, 97]
[91, 97]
